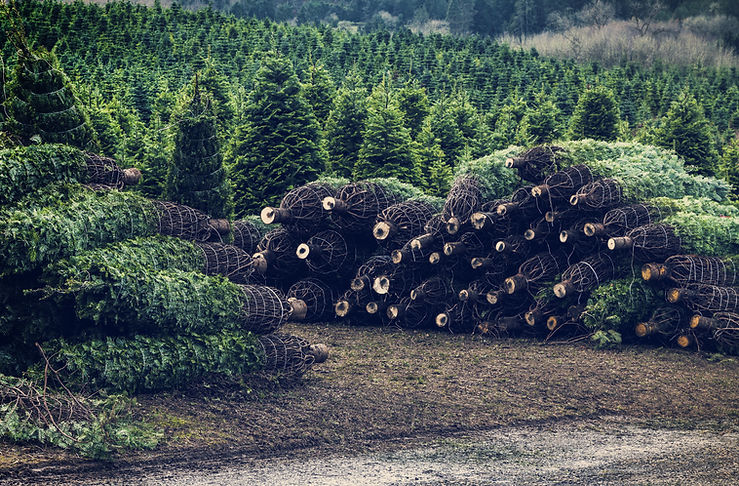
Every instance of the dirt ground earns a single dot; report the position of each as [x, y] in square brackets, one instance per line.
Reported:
[386, 391]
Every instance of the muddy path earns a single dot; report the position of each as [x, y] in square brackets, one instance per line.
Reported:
[397, 392]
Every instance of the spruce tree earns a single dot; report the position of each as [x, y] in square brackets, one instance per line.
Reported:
[596, 115]
[196, 175]
[276, 147]
[345, 125]
[386, 150]
[42, 105]
[686, 130]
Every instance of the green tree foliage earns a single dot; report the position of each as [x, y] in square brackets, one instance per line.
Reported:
[596, 115]
[686, 130]
[276, 147]
[43, 105]
[414, 104]
[540, 123]
[435, 173]
[345, 126]
[319, 90]
[196, 175]
[729, 168]
[386, 149]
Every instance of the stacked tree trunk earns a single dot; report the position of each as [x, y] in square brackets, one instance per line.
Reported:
[555, 258]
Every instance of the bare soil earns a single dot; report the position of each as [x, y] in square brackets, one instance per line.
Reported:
[387, 389]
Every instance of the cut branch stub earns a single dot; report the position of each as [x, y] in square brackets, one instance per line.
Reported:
[384, 230]
[272, 215]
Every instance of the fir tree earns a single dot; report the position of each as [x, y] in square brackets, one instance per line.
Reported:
[729, 167]
[435, 174]
[539, 125]
[686, 130]
[386, 150]
[196, 174]
[596, 115]
[414, 104]
[345, 125]
[42, 105]
[319, 91]
[275, 149]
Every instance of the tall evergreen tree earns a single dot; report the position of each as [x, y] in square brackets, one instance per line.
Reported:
[276, 147]
[345, 125]
[729, 167]
[686, 130]
[319, 90]
[435, 174]
[414, 103]
[596, 115]
[386, 149]
[196, 174]
[539, 124]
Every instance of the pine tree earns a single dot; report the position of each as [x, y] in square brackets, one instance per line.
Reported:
[729, 167]
[386, 150]
[276, 148]
[345, 125]
[686, 130]
[196, 174]
[42, 105]
[596, 115]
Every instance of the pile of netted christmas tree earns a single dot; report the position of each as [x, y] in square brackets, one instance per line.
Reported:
[544, 242]
[126, 293]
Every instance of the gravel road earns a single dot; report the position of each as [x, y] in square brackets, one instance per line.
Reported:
[590, 452]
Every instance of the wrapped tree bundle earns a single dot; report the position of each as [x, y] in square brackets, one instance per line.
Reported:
[477, 290]
[471, 244]
[618, 304]
[642, 171]
[356, 205]
[328, 252]
[353, 301]
[536, 163]
[702, 234]
[434, 290]
[276, 257]
[185, 222]
[575, 239]
[502, 325]
[598, 195]
[301, 209]
[434, 234]
[412, 255]
[150, 253]
[513, 247]
[685, 269]
[26, 169]
[458, 317]
[536, 272]
[147, 364]
[490, 221]
[665, 323]
[618, 221]
[247, 233]
[398, 281]
[174, 301]
[403, 221]
[410, 314]
[588, 274]
[493, 177]
[705, 298]
[311, 299]
[373, 267]
[545, 305]
[563, 184]
[722, 327]
[465, 198]
[522, 205]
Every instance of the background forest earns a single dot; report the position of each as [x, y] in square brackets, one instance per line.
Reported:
[315, 99]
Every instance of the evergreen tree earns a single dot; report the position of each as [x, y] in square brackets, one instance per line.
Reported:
[319, 91]
[386, 150]
[596, 115]
[196, 175]
[444, 125]
[276, 148]
[729, 168]
[435, 174]
[414, 104]
[686, 130]
[216, 84]
[539, 125]
[42, 105]
[345, 125]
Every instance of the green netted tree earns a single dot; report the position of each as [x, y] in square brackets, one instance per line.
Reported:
[345, 125]
[596, 115]
[686, 130]
[42, 106]
[196, 175]
[276, 148]
[386, 150]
